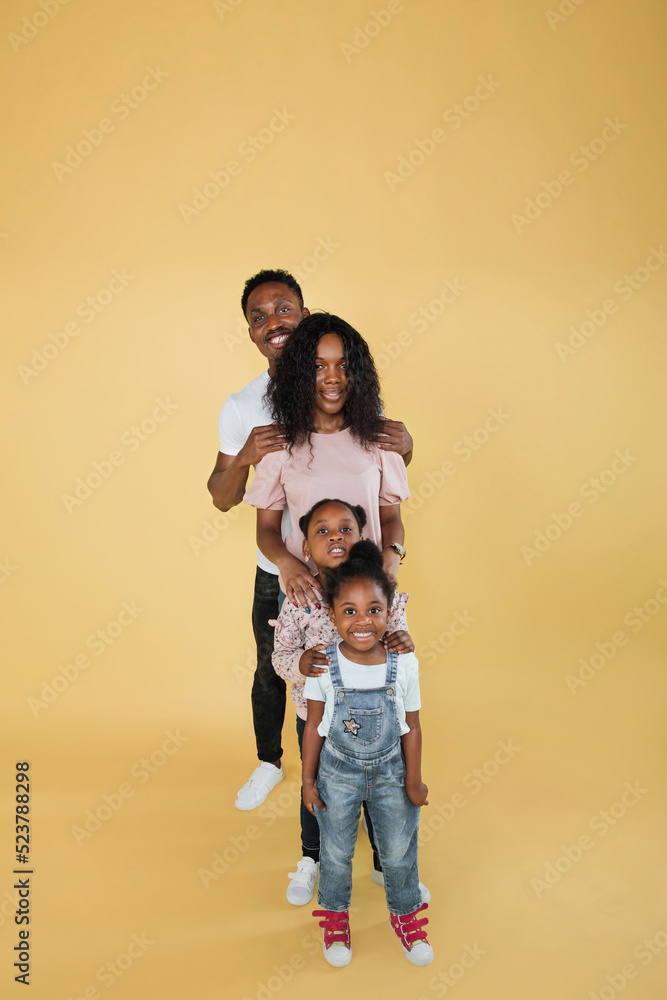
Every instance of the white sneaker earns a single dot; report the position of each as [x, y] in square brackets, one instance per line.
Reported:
[302, 882]
[379, 878]
[259, 784]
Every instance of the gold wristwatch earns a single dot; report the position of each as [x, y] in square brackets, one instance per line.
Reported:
[397, 548]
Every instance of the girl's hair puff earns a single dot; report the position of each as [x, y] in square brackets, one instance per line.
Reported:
[291, 391]
[363, 563]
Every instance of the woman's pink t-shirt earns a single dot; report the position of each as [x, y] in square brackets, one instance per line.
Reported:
[333, 465]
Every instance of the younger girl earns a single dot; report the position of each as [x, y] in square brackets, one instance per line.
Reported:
[330, 529]
[362, 742]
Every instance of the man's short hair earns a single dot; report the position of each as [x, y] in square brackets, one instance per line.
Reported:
[262, 277]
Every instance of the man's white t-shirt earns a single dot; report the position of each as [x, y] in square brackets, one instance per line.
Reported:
[240, 412]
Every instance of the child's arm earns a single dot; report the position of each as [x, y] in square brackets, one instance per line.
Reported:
[411, 742]
[399, 641]
[293, 657]
[313, 661]
[310, 755]
[397, 638]
[300, 584]
[289, 642]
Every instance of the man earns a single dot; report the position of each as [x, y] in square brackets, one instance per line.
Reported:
[272, 303]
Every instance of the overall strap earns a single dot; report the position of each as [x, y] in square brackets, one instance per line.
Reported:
[392, 668]
[334, 669]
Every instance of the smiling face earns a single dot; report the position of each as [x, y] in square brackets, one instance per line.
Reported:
[360, 613]
[273, 310]
[332, 383]
[332, 532]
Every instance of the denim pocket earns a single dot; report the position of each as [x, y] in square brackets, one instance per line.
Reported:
[363, 726]
[397, 767]
[327, 767]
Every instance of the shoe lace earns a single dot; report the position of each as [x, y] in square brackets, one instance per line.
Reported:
[408, 928]
[336, 927]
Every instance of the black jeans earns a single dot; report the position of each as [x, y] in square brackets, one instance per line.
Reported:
[310, 831]
[268, 689]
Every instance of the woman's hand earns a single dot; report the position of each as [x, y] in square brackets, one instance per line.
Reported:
[313, 662]
[311, 797]
[416, 791]
[390, 562]
[399, 641]
[300, 584]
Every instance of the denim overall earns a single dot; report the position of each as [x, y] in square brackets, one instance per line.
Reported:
[362, 760]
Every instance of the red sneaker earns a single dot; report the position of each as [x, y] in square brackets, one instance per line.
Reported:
[412, 936]
[337, 948]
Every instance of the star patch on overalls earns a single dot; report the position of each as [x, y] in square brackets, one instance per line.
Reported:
[351, 726]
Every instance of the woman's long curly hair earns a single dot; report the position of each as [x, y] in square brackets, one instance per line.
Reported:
[291, 391]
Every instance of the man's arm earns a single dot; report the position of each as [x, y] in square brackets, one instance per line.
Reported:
[396, 437]
[227, 483]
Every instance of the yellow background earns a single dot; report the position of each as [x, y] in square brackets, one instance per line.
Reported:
[360, 101]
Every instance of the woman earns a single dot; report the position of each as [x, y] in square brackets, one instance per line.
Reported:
[325, 394]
